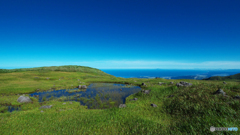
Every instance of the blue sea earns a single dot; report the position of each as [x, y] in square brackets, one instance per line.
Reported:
[169, 73]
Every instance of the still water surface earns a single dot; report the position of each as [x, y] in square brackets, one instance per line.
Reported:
[109, 94]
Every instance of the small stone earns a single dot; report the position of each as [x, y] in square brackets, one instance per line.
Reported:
[170, 96]
[160, 83]
[70, 102]
[64, 103]
[143, 84]
[153, 105]
[24, 99]
[41, 110]
[133, 99]
[183, 84]
[224, 82]
[146, 91]
[84, 87]
[236, 97]
[122, 106]
[45, 107]
[219, 91]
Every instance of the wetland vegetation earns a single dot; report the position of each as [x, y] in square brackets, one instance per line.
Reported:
[180, 110]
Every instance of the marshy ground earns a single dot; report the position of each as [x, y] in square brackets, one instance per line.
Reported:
[191, 110]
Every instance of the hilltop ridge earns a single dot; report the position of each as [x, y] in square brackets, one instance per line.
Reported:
[65, 68]
[231, 77]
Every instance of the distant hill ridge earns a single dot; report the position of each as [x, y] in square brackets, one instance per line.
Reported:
[66, 68]
[231, 77]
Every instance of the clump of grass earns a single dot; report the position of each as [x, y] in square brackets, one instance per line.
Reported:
[196, 109]
[44, 98]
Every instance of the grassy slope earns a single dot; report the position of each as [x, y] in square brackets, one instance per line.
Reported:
[231, 77]
[192, 110]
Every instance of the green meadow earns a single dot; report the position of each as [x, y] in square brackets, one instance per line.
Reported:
[192, 110]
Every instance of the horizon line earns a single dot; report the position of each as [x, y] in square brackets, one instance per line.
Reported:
[130, 68]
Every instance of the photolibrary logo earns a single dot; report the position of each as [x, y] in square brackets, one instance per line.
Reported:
[212, 129]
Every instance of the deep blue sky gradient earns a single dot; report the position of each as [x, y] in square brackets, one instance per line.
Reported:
[120, 33]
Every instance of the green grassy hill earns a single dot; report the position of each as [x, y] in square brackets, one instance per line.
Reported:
[67, 68]
[180, 110]
[225, 78]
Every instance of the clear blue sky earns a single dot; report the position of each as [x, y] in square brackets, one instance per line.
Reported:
[116, 34]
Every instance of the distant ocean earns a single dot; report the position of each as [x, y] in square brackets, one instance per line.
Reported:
[169, 74]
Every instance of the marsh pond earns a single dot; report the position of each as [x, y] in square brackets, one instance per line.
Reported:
[95, 96]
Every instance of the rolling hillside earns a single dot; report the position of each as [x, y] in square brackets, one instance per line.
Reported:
[231, 77]
[67, 68]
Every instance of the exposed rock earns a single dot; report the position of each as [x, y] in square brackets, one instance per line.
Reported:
[84, 87]
[153, 105]
[64, 103]
[79, 86]
[219, 91]
[59, 79]
[41, 111]
[122, 106]
[184, 84]
[45, 107]
[143, 84]
[78, 79]
[236, 97]
[227, 96]
[171, 82]
[170, 96]
[133, 99]
[24, 99]
[160, 83]
[224, 82]
[146, 91]
[179, 84]
[70, 102]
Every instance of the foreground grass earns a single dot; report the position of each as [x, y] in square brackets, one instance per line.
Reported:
[192, 110]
